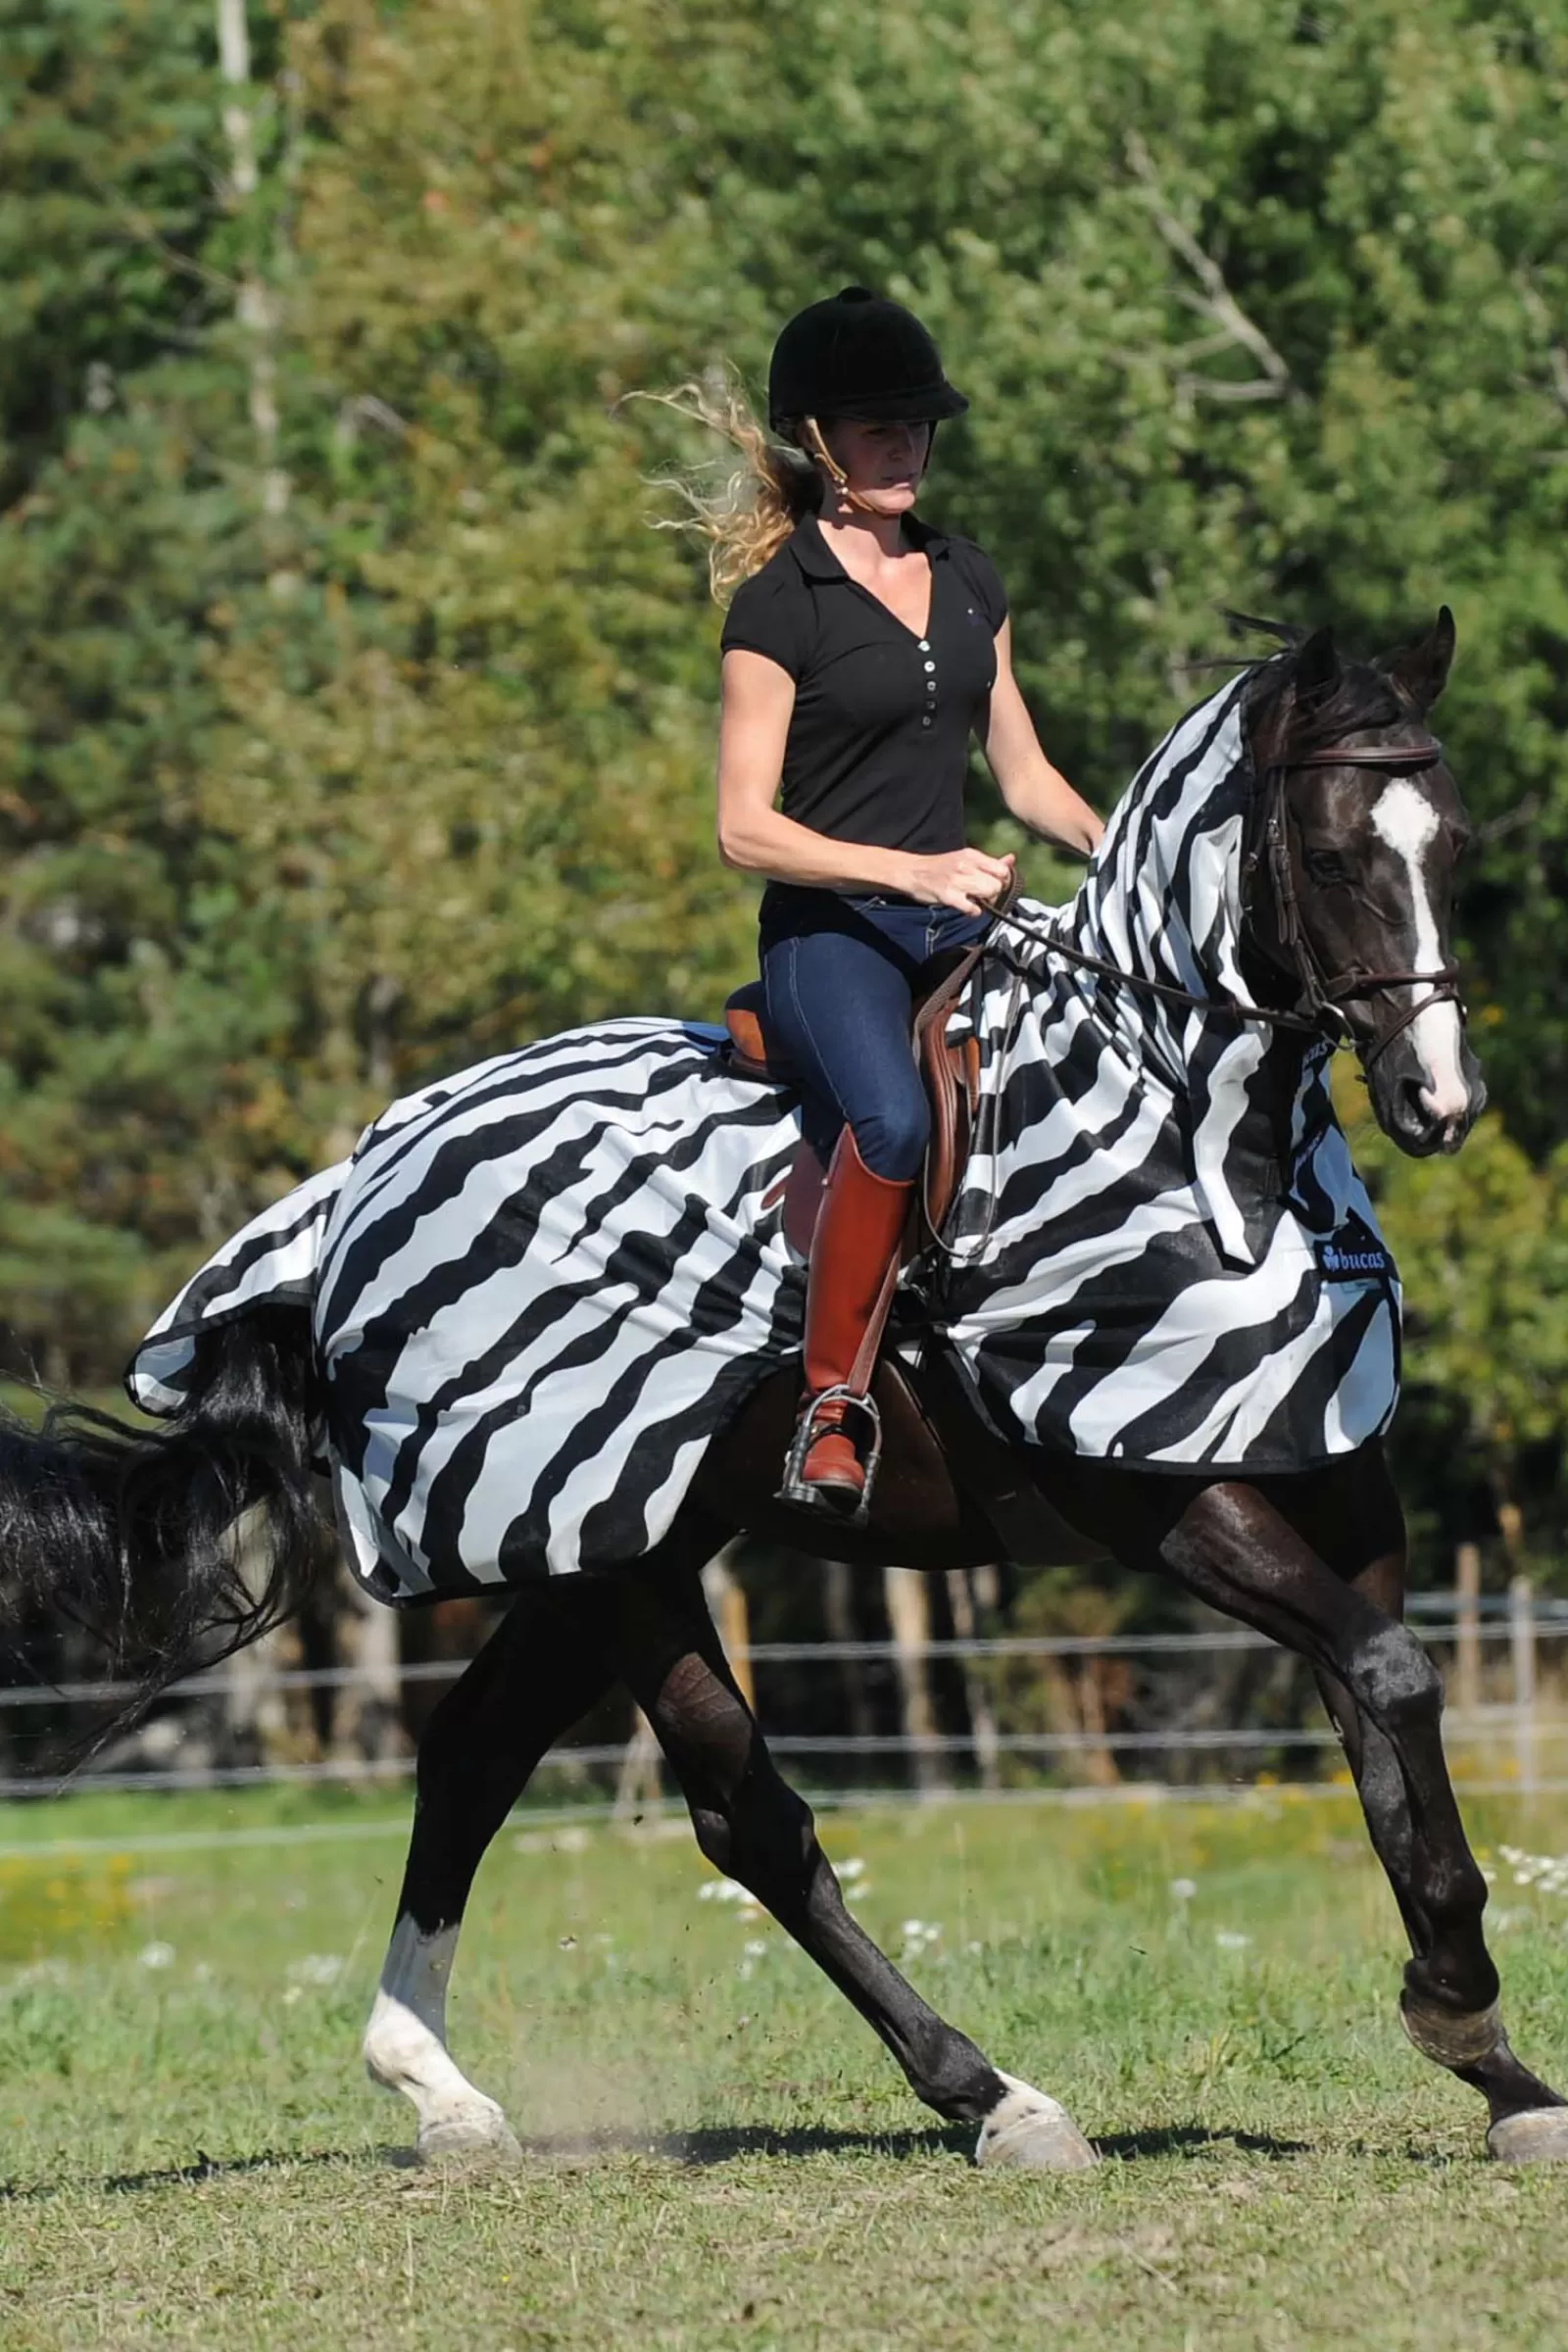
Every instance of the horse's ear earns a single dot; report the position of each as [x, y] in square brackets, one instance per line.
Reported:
[1317, 667]
[1422, 670]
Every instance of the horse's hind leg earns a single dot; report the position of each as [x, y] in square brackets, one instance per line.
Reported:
[541, 1668]
[752, 1826]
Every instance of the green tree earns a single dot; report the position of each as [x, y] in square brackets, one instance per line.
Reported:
[310, 790]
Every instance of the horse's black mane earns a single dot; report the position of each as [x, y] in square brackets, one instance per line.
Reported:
[1360, 695]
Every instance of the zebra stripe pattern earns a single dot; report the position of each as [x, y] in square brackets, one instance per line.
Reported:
[1167, 1257]
[540, 1288]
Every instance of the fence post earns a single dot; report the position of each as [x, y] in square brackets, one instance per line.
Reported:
[640, 1781]
[368, 1713]
[256, 1726]
[909, 1603]
[1467, 1617]
[838, 1615]
[1522, 1642]
[977, 1689]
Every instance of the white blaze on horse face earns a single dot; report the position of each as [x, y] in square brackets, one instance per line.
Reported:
[1408, 824]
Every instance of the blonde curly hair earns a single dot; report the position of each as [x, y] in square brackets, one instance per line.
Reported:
[750, 515]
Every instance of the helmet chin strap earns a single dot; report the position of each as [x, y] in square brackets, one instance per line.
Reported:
[818, 448]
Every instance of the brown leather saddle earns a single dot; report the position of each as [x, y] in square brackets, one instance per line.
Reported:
[951, 1071]
[950, 1488]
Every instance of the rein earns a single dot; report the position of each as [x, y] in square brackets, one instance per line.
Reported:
[1319, 1008]
[1167, 990]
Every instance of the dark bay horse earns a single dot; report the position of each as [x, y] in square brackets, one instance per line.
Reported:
[1326, 913]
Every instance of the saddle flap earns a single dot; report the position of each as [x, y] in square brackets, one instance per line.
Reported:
[801, 1192]
[951, 1074]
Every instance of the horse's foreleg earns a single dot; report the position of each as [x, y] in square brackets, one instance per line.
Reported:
[1363, 1535]
[540, 1670]
[752, 1826]
[1241, 1547]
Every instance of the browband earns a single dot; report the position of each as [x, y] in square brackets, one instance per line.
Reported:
[1427, 754]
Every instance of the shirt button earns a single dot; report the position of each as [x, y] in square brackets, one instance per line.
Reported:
[925, 722]
[925, 645]
[930, 666]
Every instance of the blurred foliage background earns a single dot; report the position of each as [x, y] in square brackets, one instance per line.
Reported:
[354, 721]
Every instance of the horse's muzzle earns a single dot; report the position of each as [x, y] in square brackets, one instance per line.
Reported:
[1407, 1111]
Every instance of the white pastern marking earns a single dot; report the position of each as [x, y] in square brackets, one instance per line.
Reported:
[1408, 824]
[405, 2042]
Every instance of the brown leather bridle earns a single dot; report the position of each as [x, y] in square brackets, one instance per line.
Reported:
[1322, 997]
[1319, 1008]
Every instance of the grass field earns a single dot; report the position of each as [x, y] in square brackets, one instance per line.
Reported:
[720, 2155]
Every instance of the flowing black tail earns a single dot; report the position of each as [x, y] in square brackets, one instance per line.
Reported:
[133, 1532]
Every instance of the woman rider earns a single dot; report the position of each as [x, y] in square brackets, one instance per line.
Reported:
[861, 651]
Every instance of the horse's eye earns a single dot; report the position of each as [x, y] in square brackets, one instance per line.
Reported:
[1326, 865]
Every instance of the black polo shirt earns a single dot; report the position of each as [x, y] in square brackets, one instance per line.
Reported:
[878, 744]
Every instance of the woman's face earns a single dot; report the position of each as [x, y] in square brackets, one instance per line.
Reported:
[884, 463]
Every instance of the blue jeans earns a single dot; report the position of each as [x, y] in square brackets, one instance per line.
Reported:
[841, 976]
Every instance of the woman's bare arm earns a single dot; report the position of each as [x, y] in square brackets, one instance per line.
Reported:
[756, 839]
[1038, 794]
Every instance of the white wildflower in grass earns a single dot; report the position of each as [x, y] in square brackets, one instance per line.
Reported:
[919, 1935]
[1228, 1940]
[1182, 1890]
[1548, 1874]
[850, 1872]
[573, 1839]
[315, 1968]
[157, 1956]
[729, 1890]
[754, 1947]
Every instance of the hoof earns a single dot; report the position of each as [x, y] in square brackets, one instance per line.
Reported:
[477, 2137]
[1029, 2133]
[1540, 2135]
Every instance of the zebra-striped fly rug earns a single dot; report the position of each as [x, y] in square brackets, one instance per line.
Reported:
[538, 1289]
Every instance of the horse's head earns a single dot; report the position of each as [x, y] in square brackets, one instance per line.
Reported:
[1357, 829]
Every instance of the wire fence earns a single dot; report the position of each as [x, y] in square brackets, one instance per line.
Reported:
[1503, 1739]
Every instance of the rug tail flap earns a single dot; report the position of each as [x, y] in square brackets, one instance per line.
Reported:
[271, 1263]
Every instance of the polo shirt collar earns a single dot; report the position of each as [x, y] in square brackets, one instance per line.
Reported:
[818, 561]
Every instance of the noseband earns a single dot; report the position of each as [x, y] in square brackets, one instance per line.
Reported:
[1322, 995]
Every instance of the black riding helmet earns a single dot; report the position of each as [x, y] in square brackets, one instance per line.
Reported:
[859, 356]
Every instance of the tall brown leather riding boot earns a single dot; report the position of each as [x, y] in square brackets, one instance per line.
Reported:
[854, 1250]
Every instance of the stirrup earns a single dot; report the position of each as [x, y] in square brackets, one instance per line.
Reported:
[797, 1487]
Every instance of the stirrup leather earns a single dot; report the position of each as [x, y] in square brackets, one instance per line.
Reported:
[796, 1487]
